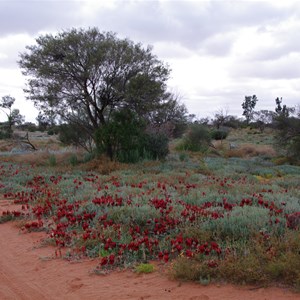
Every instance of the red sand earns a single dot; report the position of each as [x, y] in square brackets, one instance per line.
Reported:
[26, 273]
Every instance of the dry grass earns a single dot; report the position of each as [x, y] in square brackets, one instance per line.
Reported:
[5, 146]
[250, 150]
[103, 165]
[42, 158]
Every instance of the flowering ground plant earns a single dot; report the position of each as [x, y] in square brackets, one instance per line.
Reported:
[219, 225]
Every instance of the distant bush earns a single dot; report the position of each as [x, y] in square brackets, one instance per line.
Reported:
[52, 160]
[28, 126]
[157, 145]
[219, 134]
[289, 130]
[5, 134]
[197, 138]
[53, 130]
[73, 160]
[233, 122]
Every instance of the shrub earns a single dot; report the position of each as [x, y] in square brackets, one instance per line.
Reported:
[157, 145]
[6, 134]
[288, 136]
[144, 268]
[52, 160]
[219, 134]
[72, 134]
[197, 138]
[73, 160]
[124, 139]
[121, 138]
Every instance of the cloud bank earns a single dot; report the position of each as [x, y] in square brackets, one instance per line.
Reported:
[219, 51]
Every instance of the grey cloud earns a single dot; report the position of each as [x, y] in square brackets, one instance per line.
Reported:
[195, 25]
[285, 68]
[286, 42]
[218, 45]
[10, 48]
[192, 24]
[32, 16]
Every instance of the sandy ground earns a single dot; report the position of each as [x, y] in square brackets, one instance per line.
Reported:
[26, 272]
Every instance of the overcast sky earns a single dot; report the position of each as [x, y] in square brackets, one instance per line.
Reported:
[219, 51]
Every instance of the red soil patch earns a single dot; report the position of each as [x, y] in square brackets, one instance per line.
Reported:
[26, 273]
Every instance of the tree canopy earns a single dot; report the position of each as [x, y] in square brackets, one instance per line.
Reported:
[84, 76]
[248, 107]
[13, 115]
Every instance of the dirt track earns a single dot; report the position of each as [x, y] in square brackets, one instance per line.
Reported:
[25, 273]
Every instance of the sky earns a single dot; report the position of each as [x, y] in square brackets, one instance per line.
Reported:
[219, 51]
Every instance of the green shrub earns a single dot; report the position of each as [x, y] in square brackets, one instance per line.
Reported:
[219, 134]
[52, 160]
[241, 223]
[73, 160]
[197, 138]
[157, 145]
[88, 156]
[144, 268]
[124, 139]
[53, 130]
[73, 134]
[5, 134]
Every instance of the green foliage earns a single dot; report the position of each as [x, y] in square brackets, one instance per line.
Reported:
[157, 145]
[28, 126]
[6, 218]
[197, 138]
[53, 130]
[219, 134]
[257, 262]
[288, 136]
[72, 134]
[121, 137]
[74, 160]
[171, 209]
[241, 223]
[144, 268]
[52, 160]
[248, 106]
[233, 122]
[13, 116]
[86, 76]
[124, 139]
[88, 156]
[5, 134]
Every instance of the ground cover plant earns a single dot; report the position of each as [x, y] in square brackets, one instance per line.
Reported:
[209, 219]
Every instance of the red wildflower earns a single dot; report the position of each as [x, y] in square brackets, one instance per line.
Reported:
[166, 258]
[103, 261]
[111, 259]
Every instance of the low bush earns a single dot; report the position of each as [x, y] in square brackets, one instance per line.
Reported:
[197, 138]
[219, 134]
[250, 150]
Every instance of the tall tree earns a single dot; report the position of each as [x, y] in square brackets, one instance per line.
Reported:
[220, 117]
[288, 123]
[263, 118]
[248, 107]
[84, 76]
[13, 115]
[282, 110]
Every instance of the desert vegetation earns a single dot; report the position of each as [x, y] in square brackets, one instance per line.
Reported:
[213, 217]
[122, 174]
